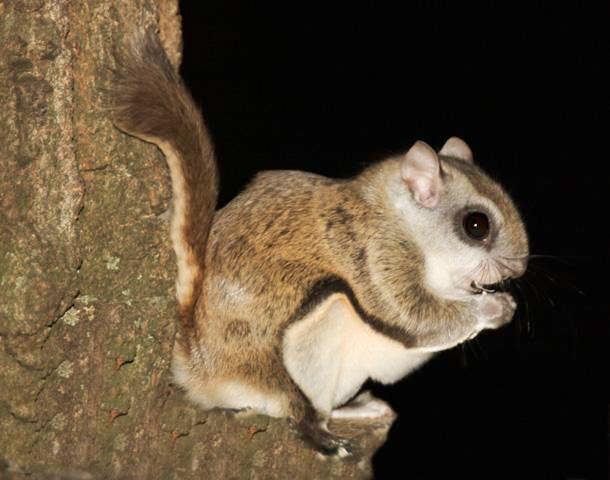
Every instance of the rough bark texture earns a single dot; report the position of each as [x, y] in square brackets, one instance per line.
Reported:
[86, 275]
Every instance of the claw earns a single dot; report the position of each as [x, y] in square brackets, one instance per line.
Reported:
[340, 447]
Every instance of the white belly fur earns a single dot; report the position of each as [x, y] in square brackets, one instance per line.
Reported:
[332, 352]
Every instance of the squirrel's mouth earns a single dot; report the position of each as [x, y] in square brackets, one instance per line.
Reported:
[479, 288]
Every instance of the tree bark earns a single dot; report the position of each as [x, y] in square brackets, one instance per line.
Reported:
[87, 306]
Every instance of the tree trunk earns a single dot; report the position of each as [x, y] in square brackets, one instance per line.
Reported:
[86, 275]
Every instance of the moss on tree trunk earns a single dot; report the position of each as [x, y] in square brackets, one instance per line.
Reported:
[86, 275]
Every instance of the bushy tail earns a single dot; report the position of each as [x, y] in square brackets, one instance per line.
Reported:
[150, 101]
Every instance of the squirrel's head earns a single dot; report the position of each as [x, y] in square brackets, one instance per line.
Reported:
[466, 226]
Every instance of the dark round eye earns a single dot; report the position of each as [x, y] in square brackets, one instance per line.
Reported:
[476, 225]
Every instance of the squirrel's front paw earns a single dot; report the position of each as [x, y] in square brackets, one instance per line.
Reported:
[495, 310]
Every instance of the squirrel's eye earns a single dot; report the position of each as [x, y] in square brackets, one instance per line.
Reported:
[476, 225]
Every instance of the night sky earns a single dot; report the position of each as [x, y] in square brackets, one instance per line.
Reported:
[331, 90]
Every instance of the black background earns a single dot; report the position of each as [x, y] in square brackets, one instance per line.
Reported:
[330, 90]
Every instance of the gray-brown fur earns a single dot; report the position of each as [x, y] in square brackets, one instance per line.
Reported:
[286, 242]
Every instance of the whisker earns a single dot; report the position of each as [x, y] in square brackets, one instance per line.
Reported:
[463, 356]
[518, 257]
[559, 258]
[485, 278]
[496, 269]
[479, 346]
[507, 267]
[471, 274]
[526, 308]
[548, 298]
[548, 276]
[563, 258]
[490, 271]
[474, 353]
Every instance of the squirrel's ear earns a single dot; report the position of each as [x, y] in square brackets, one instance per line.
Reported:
[457, 148]
[421, 171]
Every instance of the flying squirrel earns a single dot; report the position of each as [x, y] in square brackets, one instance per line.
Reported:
[303, 287]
